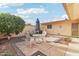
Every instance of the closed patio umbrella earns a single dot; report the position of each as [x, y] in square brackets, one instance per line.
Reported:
[37, 29]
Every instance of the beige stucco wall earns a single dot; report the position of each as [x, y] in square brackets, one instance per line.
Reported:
[66, 28]
[78, 29]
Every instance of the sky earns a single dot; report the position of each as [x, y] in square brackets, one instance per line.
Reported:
[29, 12]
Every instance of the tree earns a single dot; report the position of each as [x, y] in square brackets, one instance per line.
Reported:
[11, 24]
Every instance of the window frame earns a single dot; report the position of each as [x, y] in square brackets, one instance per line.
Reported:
[49, 26]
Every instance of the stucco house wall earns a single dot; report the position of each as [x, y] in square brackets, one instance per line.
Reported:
[60, 27]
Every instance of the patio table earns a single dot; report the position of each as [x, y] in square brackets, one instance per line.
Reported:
[38, 37]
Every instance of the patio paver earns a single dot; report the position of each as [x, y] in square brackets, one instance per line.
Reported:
[45, 48]
[51, 49]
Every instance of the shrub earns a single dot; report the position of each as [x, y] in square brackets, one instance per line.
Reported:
[67, 39]
[11, 24]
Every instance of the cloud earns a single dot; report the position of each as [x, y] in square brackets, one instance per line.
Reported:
[27, 16]
[22, 16]
[6, 5]
[41, 6]
[64, 16]
[28, 21]
[11, 4]
[3, 6]
[32, 11]
[15, 4]
[56, 18]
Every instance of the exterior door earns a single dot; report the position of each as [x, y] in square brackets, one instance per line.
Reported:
[74, 29]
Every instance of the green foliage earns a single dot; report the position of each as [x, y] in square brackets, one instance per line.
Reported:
[11, 24]
[7, 54]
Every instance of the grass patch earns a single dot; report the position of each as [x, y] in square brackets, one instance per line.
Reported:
[7, 54]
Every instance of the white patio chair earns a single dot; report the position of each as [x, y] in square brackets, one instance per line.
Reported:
[44, 33]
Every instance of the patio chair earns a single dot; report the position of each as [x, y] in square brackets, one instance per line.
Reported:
[44, 33]
[32, 42]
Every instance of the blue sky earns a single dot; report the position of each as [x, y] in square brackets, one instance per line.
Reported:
[46, 12]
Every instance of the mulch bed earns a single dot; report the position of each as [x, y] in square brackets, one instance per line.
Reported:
[7, 49]
[6, 46]
[5, 39]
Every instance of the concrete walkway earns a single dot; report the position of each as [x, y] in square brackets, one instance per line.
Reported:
[73, 48]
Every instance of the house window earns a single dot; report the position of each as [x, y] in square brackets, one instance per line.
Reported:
[49, 26]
